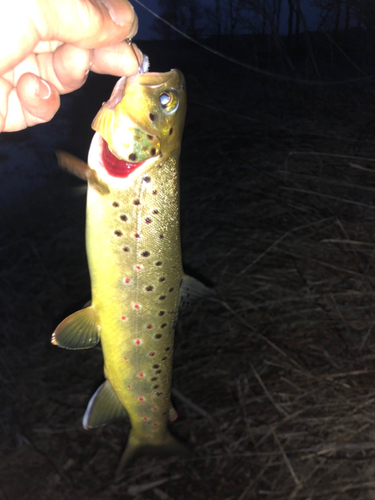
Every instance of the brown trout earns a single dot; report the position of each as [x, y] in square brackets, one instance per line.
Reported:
[134, 256]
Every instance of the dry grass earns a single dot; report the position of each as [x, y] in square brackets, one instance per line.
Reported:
[273, 376]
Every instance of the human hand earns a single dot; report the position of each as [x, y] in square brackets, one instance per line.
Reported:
[48, 48]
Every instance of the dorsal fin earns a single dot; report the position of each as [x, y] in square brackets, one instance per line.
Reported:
[191, 290]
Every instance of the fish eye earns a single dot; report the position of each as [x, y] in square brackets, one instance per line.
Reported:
[168, 101]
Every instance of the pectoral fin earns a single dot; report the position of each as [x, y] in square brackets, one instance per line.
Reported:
[191, 290]
[77, 331]
[80, 169]
[104, 407]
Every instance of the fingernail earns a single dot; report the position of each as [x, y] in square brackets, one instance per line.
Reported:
[44, 90]
[121, 11]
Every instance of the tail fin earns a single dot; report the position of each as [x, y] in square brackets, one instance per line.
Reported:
[137, 447]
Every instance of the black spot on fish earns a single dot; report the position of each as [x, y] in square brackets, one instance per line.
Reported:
[137, 235]
[126, 249]
[155, 211]
[163, 359]
[163, 325]
[167, 349]
[159, 393]
[115, 204]
[158, 336]
[158, 263]
[152, 116]
[149, 288]
[123, 217]
[171, 131]
[158, 371]
[161, 236]
[118, 233]
[148, 220]
[162, 297]
[153, 379]
[132, 157]
[171, 290]
[145, 254]
[152, 151]
[136, 202]
[150, 136]
[155, 366]
[161, 280]
[147, 178]
[161, 313]
[154, 192]
[156, 387]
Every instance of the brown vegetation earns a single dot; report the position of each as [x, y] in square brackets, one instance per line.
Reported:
[273, 376]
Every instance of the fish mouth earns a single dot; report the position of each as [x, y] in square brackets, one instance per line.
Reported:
[115, 166]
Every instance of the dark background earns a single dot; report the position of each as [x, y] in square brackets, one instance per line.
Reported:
[273, 375]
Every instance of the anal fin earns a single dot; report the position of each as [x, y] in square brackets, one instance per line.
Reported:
[77, 331]
[104, 407]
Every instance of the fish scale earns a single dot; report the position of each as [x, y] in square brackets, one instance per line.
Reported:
[134, 257]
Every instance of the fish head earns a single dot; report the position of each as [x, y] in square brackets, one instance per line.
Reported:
[142, 121]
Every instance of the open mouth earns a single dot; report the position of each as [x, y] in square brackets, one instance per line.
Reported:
[114, 166]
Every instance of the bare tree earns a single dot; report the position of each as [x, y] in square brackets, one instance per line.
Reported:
[185, 16]
[225, 17]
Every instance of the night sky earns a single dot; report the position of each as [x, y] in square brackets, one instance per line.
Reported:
[145, 19]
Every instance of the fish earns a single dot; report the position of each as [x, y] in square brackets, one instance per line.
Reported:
[134, 255]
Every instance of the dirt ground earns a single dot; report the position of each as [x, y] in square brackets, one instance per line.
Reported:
[274, 374]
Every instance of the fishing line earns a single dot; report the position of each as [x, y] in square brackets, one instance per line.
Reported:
[130, 43]
[249, 66]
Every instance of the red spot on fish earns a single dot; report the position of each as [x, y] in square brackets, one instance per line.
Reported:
[128, 386]
[148, 437]
[137, 235]
[123, 318]
[136, 306]
[145, 418]
[114, 166]
[151, 353]
[156, 424]
[141, 375]
[138, 267]
[141, 398]
[149, 326]
[155, 409]
[125, 359]
[127, 280]
[137, 341]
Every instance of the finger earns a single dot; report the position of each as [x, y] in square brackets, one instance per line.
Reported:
[94, 23]
[67, 68]
[33, 101]
[84, 23]
[118, 60]
[5, 89]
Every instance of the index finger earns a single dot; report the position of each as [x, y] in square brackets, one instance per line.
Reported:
[84, 23]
